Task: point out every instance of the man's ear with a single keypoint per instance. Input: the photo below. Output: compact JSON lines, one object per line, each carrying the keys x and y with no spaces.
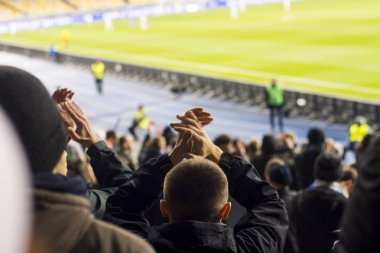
{"x":225,"y":211}
{"x":164,"y":208}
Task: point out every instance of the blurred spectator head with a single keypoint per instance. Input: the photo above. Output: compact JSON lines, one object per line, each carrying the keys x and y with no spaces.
{"x":35,"y":117}
{"x":158,"y":143}
{"x":111,"y":138}
{"x":348,"y":179}
{"x":253,"y":148}
{"x":269,"y":145}
{"x":280,"y":176}
{"x":274,"y":82}
{"x":327,"y":167}
{"x":196,"y":189}
{"x":126,"y":142}
{"x":316,"y":136}
{"x":225,"y":143}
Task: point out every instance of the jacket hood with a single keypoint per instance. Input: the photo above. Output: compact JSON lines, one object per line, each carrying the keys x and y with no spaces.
{"x":194,"y":236}
{"x":60,"y":219}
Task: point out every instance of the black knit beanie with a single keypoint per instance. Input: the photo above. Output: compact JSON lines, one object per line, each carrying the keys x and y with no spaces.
{"x":35,"y":117}
{"x":327,"y":167}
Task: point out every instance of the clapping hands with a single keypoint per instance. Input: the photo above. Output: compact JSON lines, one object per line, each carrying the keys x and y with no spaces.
{"x":76,"y":123}
{"x":193,"y":141}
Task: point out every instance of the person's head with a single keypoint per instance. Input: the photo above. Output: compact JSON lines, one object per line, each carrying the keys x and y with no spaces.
{"x":272,"y":162}
{"x":126,"y":142}
{"x":157,"y":143}
{"x":316,"y":136}
{"x":111,"y":138}
{"x":140,"y":108}
{"x":360,"y":120}
{"x":274,"y":83}
{"x":253,"y":148}
{"x":269,"y":145}
{"x":348,"y":179}
{"x":280,"y":176}
{"x":36,"y":119}
{"x":195,"y":189}
{"x":327,"y":167}
{"x":225,"y":143}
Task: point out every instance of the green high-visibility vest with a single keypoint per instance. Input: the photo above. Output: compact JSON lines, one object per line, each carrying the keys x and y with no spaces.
{"x":275,"y":96}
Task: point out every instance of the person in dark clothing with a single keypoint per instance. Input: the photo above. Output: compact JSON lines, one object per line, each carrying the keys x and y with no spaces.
{"x":268,"y":149}
{"x":304,"y":162}
{"x":105,"y":164}
{"x":280,"y":177}
{"x":62,"y":218}
{"x":316,"y":212}
{"x":198,"y":227}
{"x":361,"y":221}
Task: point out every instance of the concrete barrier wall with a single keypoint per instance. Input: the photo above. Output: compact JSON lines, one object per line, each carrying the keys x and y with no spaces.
{"x":317,"y":107}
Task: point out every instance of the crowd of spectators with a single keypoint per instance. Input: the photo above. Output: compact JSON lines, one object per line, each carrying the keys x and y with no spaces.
{"x":171,"y":190}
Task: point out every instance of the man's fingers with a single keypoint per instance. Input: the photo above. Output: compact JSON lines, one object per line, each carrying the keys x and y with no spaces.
{"x":183,"y":127}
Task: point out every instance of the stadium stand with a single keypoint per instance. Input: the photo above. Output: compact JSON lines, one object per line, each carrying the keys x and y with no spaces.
{"x":11,"y":9}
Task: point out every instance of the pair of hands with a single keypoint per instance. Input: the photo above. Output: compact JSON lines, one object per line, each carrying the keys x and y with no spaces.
{"x":76,"y":123}
{"x":193,"y":141}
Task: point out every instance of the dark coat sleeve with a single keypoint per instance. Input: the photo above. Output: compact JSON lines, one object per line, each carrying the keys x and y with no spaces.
{"x":110,"y":174}
{"x":264,"y":227}
{"x":126,"y":206}
{"x":108,"y":169}
{"x":361,"y":220}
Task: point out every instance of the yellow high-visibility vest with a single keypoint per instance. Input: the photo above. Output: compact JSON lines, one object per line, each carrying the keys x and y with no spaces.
{"x":141,"y":119}
{"x":98,"y":70}
{"x":358,"y":132}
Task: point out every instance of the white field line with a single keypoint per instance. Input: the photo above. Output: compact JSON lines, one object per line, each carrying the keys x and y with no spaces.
{"x":251,"y":73}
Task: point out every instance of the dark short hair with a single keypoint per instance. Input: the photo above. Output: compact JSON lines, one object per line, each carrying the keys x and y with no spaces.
{"x":222,"y":139}
{"x":196,"y":189}
{"x":110,"y":134}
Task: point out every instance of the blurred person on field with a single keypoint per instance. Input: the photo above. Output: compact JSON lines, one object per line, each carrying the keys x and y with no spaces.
{"x":274,"y":95}
{"x":62,"y":217}
{"x":140,"y":121}
{"x":98,"y":70}
{"x":316,"y":212}
{"x":195,"y":198}
{"x":65,"y":37}
{"x":358,"y":130}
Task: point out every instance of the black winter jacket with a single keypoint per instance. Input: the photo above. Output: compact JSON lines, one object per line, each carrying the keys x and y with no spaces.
{"x":262,"y":229}
{"x":361,"y":221}
{"x":110,"y":174}
{"x":315,"y":215}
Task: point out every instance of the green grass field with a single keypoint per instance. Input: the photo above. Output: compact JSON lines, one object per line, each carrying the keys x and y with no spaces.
{"x":324,"y":46}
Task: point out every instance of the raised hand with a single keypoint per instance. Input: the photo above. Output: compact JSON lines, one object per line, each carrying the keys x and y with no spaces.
{"x":201,"y":115}
{"x":62,"y":95}
{"x":81,"y":132}
{"x":201,"y":145}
